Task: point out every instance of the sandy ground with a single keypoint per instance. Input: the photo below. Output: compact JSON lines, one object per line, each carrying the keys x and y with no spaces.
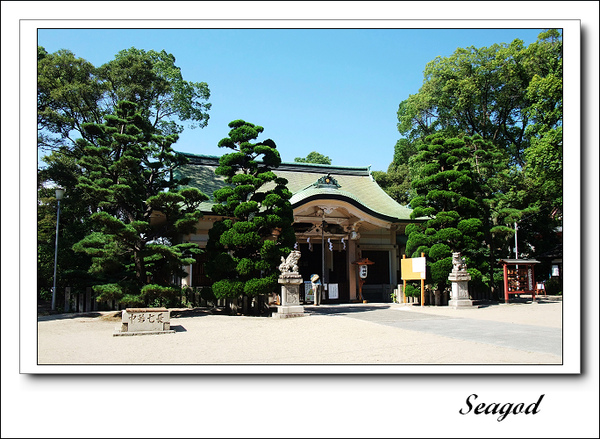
{"x":203,"y":338}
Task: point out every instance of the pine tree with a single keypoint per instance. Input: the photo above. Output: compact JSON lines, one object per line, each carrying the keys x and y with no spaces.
{"x":245,"y":247}
{"x":446,"y":194}
{"x":139,"y":214}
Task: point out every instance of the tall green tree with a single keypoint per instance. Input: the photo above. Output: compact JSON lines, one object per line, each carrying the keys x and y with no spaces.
{"x":72,"y":91}
{"x":156,"y":84}
{"x":246,"y":246}
{"x":475,"y":91}
{"x":453,"y":196}
{"x":136,"y":208}
{"x":68,"y":95}
{"x":314,"y":157}
{"x":510,"y":96}
{"x":532,"y":199}
{"x":545,"y":112}
{"x":396,"y":182}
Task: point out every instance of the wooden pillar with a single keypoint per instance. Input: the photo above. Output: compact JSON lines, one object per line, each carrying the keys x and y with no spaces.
{"x":422,"y":286}
{"x":404,"y":284}
{"x":505,"y":283}
{"x":352,"y":286}
{"x":393,"y":256}
{"x":532,"y":282}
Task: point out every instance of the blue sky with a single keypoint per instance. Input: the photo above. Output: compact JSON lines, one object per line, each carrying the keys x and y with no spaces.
{"x":335,"y":91}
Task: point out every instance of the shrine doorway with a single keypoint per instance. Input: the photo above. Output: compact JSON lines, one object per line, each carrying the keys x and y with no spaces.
{"x":336,"y":274}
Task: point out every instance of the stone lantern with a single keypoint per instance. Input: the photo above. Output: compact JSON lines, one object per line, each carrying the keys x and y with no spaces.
{"x":460,"y":277}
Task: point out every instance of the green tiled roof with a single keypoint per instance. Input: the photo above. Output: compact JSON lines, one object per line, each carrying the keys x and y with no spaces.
{"x":357,"y":186}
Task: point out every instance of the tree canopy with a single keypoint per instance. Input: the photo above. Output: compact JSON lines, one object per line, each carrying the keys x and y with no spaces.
{"x":505,"y":102}
{"x":72,"y":91}
{"x":77,"y":103}
{"x":314,"y":157}
{"x":396,"y":182}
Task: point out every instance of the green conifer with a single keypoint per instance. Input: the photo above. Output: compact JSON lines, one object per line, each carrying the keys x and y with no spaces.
{"x":139,"y":214}
{"x":246,"y":246}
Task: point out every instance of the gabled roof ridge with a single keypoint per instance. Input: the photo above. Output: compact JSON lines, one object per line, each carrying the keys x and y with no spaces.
{"x":356,"y":185}
{"x":293,"y":166}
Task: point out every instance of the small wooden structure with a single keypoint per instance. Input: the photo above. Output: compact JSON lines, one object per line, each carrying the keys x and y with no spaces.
{"x":519,"y":277}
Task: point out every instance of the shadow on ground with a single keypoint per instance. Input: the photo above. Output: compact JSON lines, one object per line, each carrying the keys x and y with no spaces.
{"x":342,"y":309}
{"x":192,"y":312}
{"x":328,"y":309}
{"x":93,"y":314}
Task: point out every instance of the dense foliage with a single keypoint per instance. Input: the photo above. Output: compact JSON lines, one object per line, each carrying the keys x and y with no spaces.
{"x":137,"y":212}
{"x":397,"y":180}
{"x":245,"y":247}
{"x":505,"y":103}
{"x":453,"y":197}
{"x":314,"y":157}
{"x":73,"y":93}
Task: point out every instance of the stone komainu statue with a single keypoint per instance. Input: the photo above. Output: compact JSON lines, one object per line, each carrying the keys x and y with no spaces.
{"x":290,"y":265}
{"x":458,"y":263}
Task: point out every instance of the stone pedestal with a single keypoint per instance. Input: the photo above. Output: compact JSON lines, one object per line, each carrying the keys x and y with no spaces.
{"x":459,"y":297}
{"x":460,"y":277}
{"x":290,"y":297}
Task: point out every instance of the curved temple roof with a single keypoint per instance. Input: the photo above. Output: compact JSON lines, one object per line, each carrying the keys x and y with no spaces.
{"x":355,"y":185}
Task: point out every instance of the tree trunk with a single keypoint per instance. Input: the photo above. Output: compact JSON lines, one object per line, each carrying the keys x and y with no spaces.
{"x":140,"y":267}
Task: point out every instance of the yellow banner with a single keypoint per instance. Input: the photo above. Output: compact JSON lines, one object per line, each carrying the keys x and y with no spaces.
{"x":412,"y":268}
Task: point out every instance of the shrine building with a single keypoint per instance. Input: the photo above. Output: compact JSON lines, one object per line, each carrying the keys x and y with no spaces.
{"x":341,"y":215}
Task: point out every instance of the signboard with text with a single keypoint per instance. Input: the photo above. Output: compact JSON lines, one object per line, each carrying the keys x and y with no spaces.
{"x":309,"y":294}
{"x":333,"y":291}
{"x":413,"y":268}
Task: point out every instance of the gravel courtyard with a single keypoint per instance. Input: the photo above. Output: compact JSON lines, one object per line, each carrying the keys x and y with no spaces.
{"x":337,"y":334}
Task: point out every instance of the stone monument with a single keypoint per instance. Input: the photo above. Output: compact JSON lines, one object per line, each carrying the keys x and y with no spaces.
{"x":144,"y":321}
{"x":460,"y":277}
{"x":290,"y":281}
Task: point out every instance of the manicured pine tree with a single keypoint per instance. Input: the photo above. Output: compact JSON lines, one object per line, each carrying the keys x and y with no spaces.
{"x":246,"y":246}
{"x":139,"y":214}
{"x":446,"y":192}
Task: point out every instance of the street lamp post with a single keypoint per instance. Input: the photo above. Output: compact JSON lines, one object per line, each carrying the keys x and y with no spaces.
{"x":59,"y":196}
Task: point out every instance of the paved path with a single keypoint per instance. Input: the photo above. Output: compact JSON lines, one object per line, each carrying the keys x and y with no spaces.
{"x":509,"y":335}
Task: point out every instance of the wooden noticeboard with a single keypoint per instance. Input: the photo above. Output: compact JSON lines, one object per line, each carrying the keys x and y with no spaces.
{"x":414,"y":269}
